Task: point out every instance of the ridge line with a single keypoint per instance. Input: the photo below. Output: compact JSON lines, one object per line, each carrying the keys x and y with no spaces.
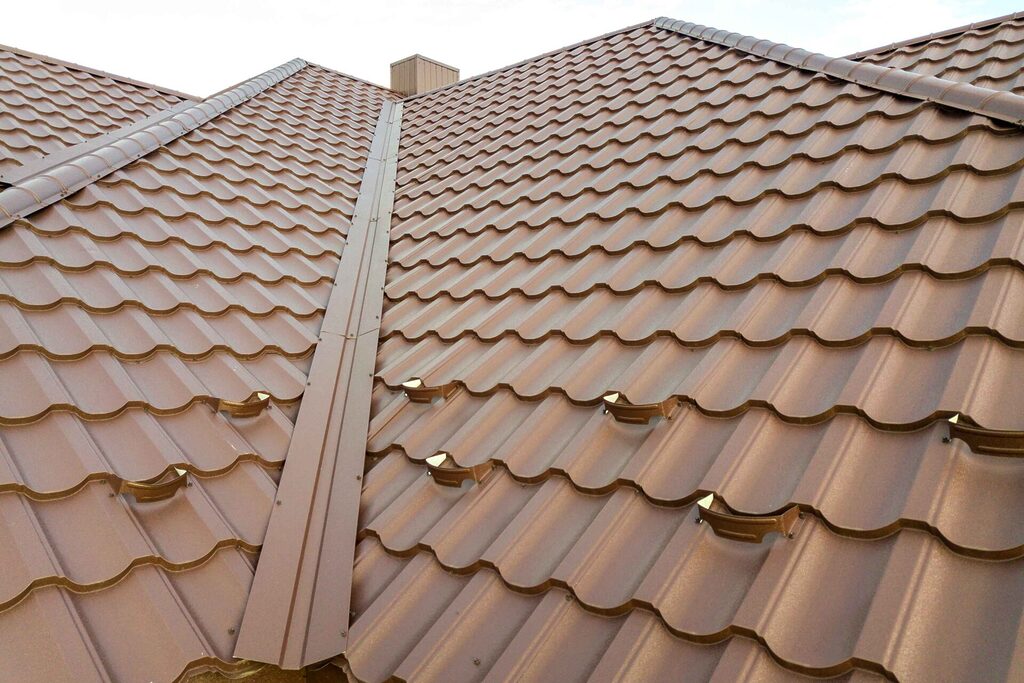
{"x":995,"y":104}
{"x":937,"y":35}
{"x":38,"y":191}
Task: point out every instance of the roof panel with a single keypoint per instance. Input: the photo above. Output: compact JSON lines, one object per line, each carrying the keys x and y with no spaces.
{"x":819,"y":272}
{"x":987,"y":53}
{"x":201,"y":270}
{"x":51,"y":105}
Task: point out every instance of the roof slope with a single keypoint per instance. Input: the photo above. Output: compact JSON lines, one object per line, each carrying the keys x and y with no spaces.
{"x":47,"y":105}
{"x":987,"y":53}
{"x":812,"y":275}
{"x":128,"y":310}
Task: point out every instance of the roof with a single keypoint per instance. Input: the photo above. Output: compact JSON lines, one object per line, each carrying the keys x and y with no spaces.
{"x":49,"y":105}
{"x":678,"y":350}
{"x":807,"y":270}
{"x":130,"y":309}
{"x":985,"y":53}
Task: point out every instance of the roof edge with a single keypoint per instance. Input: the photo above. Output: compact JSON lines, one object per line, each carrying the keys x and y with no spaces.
{"x":521,"y":62}
{"x":43,"y":189}
{"x":986,"y":23}
{"x":995,"y":104}
{"x":99,"y":72}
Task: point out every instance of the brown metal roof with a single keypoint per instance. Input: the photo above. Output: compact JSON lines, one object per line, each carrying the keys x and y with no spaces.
{"x":650,"y":297}
{"x":141,"y":318}
{"x":986,"y":53}
{"x":298,"y":610}
{"x":808,"y":275}
{"x":48,"y":105}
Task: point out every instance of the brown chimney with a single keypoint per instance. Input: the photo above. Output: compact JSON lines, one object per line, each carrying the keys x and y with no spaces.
{"x":416,"y":74}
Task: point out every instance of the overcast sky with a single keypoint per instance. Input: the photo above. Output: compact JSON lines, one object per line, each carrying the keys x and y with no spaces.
{"x":203,"y":47}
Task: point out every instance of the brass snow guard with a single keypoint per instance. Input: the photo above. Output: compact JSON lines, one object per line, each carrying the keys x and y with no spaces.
{"x":1003,"y":443}
{"x":445,"y":471}
{"x":151,"y":490}
{"x":747,"y":528}
{"x":418,"y":392}
{"x":623,"y":410}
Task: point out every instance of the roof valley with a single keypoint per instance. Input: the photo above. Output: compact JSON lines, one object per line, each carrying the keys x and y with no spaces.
{"x":311,"y":537}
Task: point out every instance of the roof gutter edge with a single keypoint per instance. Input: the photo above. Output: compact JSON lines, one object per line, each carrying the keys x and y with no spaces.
{"x":995,"y":104}
{"x":38,"y":191}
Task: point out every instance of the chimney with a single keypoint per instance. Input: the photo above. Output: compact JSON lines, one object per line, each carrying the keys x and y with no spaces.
{"x":417,"y":74}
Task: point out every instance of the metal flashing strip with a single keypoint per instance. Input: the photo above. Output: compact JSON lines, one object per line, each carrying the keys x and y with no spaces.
{"x":55,"y":159}
{"x":995,"y":104}
{"x":36,"y":192}
{"x":298,"y":608}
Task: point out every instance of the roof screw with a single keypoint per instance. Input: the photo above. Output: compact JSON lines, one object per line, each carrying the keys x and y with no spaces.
{"x":476,"y":661}
{"x":946,"y":439}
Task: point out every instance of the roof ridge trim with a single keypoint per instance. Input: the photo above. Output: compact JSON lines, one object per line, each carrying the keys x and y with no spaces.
{"x":973,"y":26}
{"x":995,"y":104}
{"x":41,"y":190}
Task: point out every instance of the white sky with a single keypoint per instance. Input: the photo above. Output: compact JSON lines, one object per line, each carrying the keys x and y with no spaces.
{"x":203,"y":47}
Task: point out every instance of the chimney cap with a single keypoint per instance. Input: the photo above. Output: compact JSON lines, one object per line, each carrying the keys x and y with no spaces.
{"x":425,"y":59}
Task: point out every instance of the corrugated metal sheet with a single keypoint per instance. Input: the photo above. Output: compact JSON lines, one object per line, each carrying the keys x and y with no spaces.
{"x":986,"y":53}
{"x":49,"y":105}
{"x":197,"y":273}
{"x":818,"y":274}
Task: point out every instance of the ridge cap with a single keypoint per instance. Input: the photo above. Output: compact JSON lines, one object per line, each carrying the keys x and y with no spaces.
{"x":995,"y":104}
{"x":949,"y":32}
{"x":35,"y":192}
